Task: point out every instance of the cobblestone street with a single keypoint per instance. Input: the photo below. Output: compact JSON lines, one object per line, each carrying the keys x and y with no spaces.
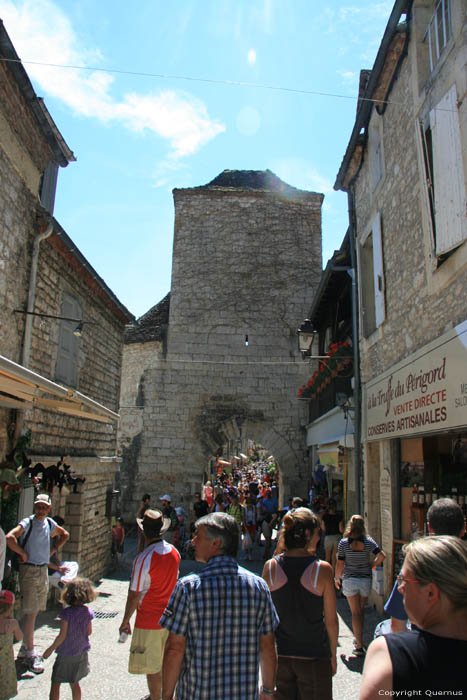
{"x":109,"y":678}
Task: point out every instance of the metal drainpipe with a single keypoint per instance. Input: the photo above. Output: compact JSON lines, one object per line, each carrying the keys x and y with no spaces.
{"x":32,"y":293}
{"x":29,"y":319}
{"x":356,"y":357}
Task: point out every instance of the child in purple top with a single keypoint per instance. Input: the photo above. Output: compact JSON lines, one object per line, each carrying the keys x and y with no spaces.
{"x":72,"y":643}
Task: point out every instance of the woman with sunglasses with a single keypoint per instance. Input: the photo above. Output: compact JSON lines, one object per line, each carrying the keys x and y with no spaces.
{"x":433,"y":582}
{"x":302,"y":590}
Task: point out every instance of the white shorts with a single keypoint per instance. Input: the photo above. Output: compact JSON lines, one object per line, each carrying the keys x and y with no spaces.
{"x":354,"y":586}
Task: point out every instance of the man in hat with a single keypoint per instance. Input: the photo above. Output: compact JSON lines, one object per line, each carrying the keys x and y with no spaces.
{"x":169,"y":512}
{"x":153,"y":579}
{"x":30,"y":539}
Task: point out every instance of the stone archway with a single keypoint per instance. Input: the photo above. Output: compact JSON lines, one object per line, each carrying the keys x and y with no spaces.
{"x":246,"y":262}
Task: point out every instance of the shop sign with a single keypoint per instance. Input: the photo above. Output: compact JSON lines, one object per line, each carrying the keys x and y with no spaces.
{"x":425,"y":393}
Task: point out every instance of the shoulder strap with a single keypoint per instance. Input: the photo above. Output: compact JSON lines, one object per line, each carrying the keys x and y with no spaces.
{"x":51,"y":527}
{"x":27,"y":532}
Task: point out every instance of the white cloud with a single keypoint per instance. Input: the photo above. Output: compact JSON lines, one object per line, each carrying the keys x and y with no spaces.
{"x":348,"y":76}
{"x":252,"y":57}
{"x":40,"y":31}
{"x":302,"y":174}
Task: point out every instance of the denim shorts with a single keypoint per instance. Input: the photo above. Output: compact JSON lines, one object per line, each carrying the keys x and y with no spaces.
{"x":352,"y":586}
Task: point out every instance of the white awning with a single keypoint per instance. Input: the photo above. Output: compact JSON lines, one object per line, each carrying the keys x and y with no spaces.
{"x":20,"y":388}
{"x":342,"y":440}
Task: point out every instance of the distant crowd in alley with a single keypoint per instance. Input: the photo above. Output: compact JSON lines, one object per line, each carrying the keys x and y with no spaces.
{"x":208,"y":634}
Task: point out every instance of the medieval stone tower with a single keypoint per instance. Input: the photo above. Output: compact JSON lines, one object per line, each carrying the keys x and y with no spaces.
{"x":218,"y":357}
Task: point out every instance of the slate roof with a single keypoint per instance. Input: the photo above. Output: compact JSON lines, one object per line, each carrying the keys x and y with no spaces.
{"x":152,"y":325}
{"x":264,"y":180}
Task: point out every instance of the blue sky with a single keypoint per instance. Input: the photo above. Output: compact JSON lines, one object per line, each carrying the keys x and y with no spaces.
{"x":137,"y":137}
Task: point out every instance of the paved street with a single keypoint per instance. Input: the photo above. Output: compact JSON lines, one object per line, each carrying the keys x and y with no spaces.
{"x":109,"y":678}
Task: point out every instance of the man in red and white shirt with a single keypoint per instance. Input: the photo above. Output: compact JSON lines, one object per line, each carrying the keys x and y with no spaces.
{"x":153,"y":579}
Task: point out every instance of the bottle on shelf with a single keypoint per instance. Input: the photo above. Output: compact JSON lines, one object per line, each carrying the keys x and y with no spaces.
{"x":434,"y":494}
{"x":421,"y":496}
{"x":414,"y":495}
{"x":454,"y":494}
{"x":461,"y":500}
{"x":428,"y":498}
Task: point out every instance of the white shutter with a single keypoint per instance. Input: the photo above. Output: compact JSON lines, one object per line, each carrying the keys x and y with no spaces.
{"x":448,"y":174}
{"x":378,"y":271}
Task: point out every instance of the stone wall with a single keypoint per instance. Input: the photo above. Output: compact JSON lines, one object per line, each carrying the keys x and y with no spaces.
{"x":85,"y":514}
{"x":245,"y":264}
{"x":423,"y":297}
{"x":100,"y":352}
{"x":422,"y":301}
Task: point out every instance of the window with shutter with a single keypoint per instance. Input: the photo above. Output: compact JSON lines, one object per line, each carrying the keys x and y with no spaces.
{"x":372,"y":279}
{"x":66,"y":370}
{"x":440,"y":146}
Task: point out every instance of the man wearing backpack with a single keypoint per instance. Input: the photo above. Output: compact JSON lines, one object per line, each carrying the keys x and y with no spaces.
{"x":30,"y":540}
{"x":171,"y":536}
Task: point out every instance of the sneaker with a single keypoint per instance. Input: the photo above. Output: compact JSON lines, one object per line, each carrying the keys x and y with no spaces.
{"x":359,"y":651}
{"x":22,"y":652}
{"x":35,"y":664}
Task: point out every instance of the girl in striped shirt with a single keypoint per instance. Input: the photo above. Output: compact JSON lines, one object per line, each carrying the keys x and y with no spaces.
{"x":354,"y":555}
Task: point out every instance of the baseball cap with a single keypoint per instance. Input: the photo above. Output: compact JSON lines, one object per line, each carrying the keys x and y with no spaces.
{"x":43,"y":498}
{"x":166,"y":497}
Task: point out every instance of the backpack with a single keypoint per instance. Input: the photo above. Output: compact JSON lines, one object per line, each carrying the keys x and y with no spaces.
{"x":174,"y":523}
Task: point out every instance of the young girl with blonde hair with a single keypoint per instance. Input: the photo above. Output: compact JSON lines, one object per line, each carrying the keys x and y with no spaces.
{"x":72,"y":643}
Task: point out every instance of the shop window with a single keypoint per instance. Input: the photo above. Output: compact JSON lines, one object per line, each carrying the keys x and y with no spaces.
{"x":372,"y":279}
{"x":68,"y":344}
{"x":440,"y":146}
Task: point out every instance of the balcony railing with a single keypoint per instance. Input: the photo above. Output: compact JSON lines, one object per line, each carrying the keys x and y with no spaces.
{"x":326,"y":400}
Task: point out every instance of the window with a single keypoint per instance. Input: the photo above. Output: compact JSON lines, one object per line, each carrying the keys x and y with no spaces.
{"x":439,"y":31}
{"x":68,"y":344}
{"x":444,"y":175}
{"x":372,"y":279}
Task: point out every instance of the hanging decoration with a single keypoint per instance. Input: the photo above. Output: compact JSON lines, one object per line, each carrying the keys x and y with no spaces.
{"x":339,"y":356}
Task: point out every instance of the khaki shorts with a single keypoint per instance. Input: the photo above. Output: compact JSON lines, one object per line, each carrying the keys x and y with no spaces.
{"x":147,"y":651}
{"x":33,"y":585}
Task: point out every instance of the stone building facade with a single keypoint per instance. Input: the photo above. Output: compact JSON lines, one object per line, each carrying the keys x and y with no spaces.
{"x":63,"y":388}
{"x":223,"y":352}
{"x":404,"y":170}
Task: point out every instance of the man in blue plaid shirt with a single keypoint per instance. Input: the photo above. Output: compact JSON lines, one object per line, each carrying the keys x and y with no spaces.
{"x":221,"y":623}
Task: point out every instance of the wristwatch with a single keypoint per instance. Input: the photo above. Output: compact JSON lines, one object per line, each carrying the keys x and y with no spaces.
{"x":268,"y":691}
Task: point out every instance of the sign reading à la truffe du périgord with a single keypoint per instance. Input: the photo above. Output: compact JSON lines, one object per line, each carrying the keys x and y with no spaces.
{"x":424,"y":393}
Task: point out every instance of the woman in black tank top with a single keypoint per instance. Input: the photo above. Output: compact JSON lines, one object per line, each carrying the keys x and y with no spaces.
{"x":432,"y":658}
{"x":303,"y":593}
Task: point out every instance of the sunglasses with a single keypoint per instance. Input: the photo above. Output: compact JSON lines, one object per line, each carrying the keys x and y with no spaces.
{"x":401,"y":580}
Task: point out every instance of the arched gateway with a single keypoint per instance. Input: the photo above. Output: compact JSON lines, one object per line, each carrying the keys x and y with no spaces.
{"x":221,"y":348}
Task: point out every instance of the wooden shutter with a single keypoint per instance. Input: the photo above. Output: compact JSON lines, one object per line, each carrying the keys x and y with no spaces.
{"x":378,"y":274}
{"x":448,"y":174}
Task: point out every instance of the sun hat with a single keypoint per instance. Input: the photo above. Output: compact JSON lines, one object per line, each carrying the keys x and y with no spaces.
{"x":166,"y":497}
{"x":154,"y":521}
{"x":43,"y":498}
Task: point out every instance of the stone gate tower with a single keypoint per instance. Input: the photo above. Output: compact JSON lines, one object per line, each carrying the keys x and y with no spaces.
{"x":218,"y":358}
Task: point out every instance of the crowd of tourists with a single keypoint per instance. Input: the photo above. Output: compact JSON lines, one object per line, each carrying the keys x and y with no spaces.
{"x":206,"y":635}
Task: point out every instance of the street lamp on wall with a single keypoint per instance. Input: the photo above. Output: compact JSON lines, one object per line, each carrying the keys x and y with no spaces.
{"x":305,"y":334}
{"x":78,"y":331}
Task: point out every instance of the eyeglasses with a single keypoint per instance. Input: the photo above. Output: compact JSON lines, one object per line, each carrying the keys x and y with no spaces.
{"x":401,"y":580}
